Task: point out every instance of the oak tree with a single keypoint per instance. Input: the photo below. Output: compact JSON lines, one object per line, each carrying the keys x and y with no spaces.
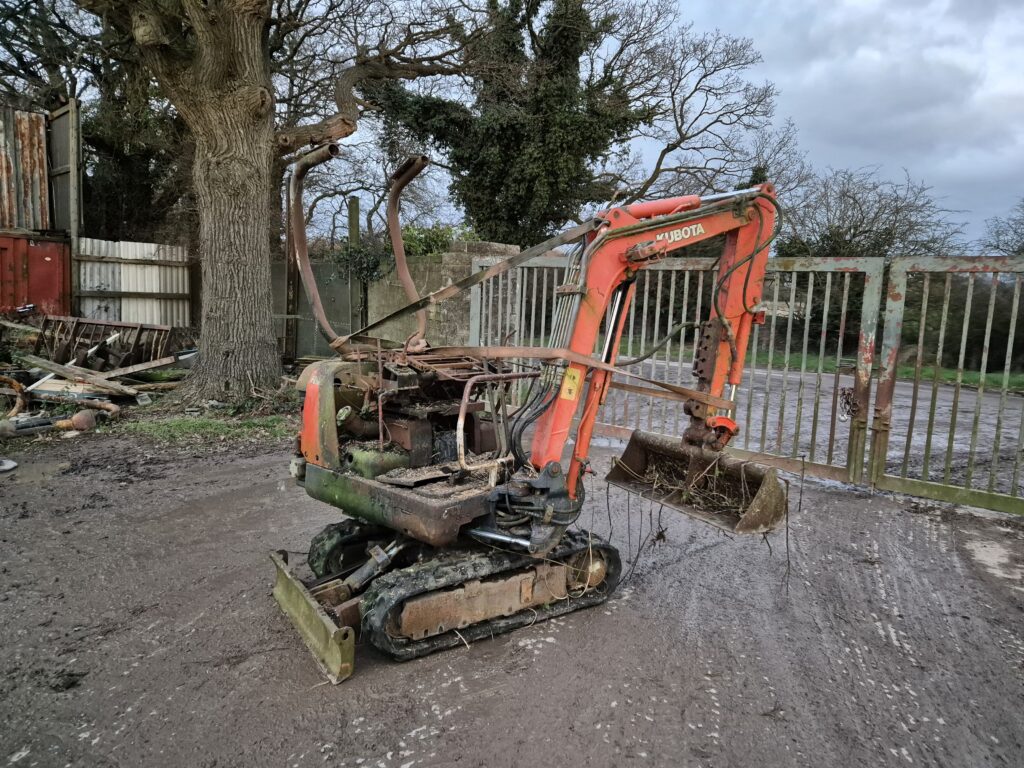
{"x":212,"y":60}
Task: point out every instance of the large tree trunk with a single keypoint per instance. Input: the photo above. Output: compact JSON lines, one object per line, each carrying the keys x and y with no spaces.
{"x":212,"y":62}
{"x":224,"y":93}
{"x":238,"y":349}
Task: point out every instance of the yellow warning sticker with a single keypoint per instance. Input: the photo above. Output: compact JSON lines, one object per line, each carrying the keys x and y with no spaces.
{"x":570,"y":384}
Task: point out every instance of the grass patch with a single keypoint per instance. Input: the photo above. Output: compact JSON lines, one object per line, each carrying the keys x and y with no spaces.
{"x":160,"y":375}
{"x":191,"y":428}
{"x":993,"y":380}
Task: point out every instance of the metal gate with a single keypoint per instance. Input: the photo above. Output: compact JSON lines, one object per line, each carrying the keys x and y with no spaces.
{"x":806,"y":395}
{"x":945,"y":415}
{"x":949,"y":415}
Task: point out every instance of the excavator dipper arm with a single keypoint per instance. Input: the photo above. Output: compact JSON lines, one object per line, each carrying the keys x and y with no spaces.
{"x":636,"y":237}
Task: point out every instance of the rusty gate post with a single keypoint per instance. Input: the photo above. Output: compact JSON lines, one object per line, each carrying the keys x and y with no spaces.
{"x":856,"y":454}
{"x":291,"y":283}
{"x":361,"y":318}
{"x":895,"y":301}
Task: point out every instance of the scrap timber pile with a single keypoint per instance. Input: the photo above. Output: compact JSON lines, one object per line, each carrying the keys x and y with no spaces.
{"x":91,"y":366}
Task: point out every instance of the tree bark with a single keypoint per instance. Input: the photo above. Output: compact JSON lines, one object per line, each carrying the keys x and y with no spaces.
{"x":224,"y":93}
{"x":233,"y":161}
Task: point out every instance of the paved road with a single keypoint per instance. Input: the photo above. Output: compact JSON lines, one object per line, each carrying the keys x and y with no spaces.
{"x":138,"y":630}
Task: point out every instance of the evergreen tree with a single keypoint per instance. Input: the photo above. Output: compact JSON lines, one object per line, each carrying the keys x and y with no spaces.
{"x":523,"y":152}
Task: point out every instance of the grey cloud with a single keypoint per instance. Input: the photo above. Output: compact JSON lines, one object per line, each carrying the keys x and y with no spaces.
{"x":904,"y":84}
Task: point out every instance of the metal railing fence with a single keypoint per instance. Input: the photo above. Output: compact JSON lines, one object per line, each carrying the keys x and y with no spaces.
{"x":945,"y":417}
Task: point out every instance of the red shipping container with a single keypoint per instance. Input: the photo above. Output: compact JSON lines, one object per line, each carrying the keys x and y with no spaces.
{"x":35,"y":270}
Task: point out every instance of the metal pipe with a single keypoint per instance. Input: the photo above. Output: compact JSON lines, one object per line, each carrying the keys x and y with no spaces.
{"x":297,"y":220}
{"x":20,"y":400}
{"x":405,"y":173}
{"x":351,"y":422}
{"x":485,"y":535}
{"x":460,"y":434}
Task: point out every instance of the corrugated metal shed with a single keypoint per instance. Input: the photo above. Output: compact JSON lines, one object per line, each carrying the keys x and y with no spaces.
{"x":66,"y":168}
{"x":24,"y":188}
{"x":114,"y":280}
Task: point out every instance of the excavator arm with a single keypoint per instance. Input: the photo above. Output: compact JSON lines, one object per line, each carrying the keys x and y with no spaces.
{"x":635,"y":238}
{"x":689,"y":473}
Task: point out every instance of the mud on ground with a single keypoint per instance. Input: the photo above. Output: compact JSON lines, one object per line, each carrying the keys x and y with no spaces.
{"x":138,"y":629}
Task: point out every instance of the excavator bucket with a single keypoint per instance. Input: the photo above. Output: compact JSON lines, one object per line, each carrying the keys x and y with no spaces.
{"x":735,"y":495}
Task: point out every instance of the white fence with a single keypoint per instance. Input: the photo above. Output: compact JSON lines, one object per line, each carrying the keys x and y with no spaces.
{"x":133,"y":282}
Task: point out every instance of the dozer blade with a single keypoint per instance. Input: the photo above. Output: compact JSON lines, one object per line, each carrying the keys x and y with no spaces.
{"x":333,"y":647}
{"x":738,"y":496}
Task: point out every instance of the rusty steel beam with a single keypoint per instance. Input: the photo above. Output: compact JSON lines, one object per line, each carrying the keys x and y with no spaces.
{"x":874,"y":271}
{"x":297,"y":221}
{"x":404,"y":174}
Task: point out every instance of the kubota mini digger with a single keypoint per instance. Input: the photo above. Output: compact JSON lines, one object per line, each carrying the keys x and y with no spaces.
{"x":453,"y":530}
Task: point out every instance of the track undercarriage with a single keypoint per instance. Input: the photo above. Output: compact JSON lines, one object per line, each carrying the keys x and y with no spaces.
{"x":432,"y":599}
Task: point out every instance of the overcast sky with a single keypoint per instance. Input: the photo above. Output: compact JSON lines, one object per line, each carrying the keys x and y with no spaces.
{"x":933,"y":86}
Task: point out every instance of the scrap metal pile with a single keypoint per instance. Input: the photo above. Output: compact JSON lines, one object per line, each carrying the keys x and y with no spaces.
{"x":92,"y":366}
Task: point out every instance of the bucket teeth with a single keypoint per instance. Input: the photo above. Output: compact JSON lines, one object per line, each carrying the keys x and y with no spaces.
{"x":737,"y":496}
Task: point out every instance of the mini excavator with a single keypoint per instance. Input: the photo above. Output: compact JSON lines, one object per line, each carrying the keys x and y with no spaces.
{"x":453,"y":531}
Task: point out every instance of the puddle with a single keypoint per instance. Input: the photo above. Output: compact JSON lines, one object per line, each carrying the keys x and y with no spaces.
{"x":1000,"y":558}
{"x":32,"y":472}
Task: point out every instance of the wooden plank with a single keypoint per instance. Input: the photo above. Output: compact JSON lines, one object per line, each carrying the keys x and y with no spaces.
{"x":78,"y":374}
{"x":67,"y":390}
{"x":137,"y":368}
{"x":647,"y":391}
{"x":18,"y":326}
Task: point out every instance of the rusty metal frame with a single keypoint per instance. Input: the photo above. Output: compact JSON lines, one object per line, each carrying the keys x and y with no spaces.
{"x":900,"y":271}
{"x":460,"y":429}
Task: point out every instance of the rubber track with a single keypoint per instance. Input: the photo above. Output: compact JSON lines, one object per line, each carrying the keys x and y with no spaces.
{"x":452,"y":568}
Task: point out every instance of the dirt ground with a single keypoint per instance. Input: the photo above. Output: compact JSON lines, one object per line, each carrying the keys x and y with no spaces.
{"x":138,"y":629}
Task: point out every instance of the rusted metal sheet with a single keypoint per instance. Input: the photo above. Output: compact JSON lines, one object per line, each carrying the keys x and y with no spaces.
{"x":24,"y":188}
{"x":474,"y":601}
{"x":35,"y":271}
